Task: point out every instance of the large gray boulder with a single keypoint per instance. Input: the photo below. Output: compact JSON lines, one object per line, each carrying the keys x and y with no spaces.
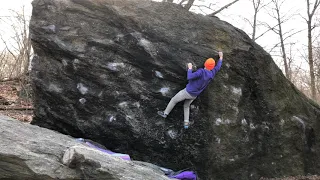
{"x":103,"y":68}
{"x":32,"y":152}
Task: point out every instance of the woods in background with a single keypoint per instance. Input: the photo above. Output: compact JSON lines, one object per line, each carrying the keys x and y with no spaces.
{"x":301,"y":65}
{"x":16,"y":53}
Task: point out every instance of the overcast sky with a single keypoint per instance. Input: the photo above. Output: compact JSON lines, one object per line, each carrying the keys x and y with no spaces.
{"x":243,"y":9}
{"x":6,"y":8}
{"x":235,"y":15}
{"x":13,"y":4}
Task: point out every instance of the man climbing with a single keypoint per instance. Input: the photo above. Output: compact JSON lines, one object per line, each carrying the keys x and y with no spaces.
{"x":197,"y":82}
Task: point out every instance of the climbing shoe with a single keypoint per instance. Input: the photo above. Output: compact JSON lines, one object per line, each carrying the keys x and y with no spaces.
{"x":186,"y":124}
{"x":162,"y":114}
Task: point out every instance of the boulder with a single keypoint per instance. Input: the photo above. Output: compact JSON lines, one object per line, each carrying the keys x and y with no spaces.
{"x":103,"y":68}
{"x":32,"y":152}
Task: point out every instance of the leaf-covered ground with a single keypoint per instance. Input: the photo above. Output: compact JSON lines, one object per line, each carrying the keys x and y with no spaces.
{"x":15,"y":102}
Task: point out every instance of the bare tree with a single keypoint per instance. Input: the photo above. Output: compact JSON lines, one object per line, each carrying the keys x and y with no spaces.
{"x":311,"y":9}
{"x":281,"y":18}
{"x":187,"y":4}
{"x":18,"y":45}
{"x":257,"y":6}
{"x":278,"y":17}
{"x":2,"y":63}
{"x":290,"y":59}
{"x":316,"y":56}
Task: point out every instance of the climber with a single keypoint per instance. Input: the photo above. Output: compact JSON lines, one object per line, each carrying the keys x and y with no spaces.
{"x":197,"y":82}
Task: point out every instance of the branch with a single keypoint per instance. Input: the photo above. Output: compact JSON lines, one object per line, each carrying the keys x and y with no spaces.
{"x":313,"y":27}
{"x":224,"y":7}
{"x":2,"y":55}
{"x":203,"y":6}
{"x":182,"y":2}
{"x":315,"y":6}
{"x":276,"y":45}
{"x":303,"y":17}
{"x":5,"y":43}
{"x":246,"y":19}
{"x":16,"y":108}
{"x":314,"y":39}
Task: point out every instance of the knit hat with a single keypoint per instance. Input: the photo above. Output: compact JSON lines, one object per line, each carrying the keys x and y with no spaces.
{"x":209,"y":64}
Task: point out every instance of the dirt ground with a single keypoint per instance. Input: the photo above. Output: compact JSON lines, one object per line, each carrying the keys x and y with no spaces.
{"x":12,"y":105}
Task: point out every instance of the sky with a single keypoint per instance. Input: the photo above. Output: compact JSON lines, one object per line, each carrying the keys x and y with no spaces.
{"x":7,"y":9}
{"x":243,"y":9}
{"x":6,"y":5}
{"x":235,"y":15}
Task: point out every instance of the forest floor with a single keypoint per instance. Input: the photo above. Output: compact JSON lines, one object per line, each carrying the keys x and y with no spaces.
{"x":17,"y":104}
{"x":295,"y":178}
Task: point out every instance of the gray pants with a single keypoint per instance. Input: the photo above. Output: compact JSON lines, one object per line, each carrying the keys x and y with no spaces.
{"x":180,"y":96}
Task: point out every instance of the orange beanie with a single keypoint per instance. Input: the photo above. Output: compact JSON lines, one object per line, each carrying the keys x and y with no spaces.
{"x":209,"y":64}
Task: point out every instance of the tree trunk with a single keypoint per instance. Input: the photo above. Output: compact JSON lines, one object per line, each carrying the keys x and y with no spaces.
{"x":284,"y":56}
{"x":310,"y":60}
{"x":310,"y":55}
{"x":254,"y":26}
{"x":189,"y":4}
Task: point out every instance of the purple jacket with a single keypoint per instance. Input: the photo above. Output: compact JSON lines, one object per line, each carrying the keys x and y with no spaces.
{"x":200,"y":79}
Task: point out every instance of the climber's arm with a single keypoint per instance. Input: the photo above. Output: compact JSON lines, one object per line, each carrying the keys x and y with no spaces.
{"x":192,"y":75}
{"x":218,"y":66}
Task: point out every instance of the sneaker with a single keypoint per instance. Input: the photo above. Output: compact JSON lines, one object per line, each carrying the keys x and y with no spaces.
{"x":186,"y":124}
{"x":162,"y":114}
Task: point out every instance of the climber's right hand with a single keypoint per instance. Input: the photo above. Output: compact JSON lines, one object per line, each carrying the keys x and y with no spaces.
{"x":220,"y":55}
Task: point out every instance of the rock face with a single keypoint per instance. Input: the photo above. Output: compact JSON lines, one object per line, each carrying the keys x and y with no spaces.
{"x":103,"y":68}
{"x":32,"y":152}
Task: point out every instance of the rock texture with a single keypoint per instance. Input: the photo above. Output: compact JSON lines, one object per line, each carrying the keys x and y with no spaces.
{"x":103,"y":68}
{"x":32,"y":152}
{"x":96,"y":165}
